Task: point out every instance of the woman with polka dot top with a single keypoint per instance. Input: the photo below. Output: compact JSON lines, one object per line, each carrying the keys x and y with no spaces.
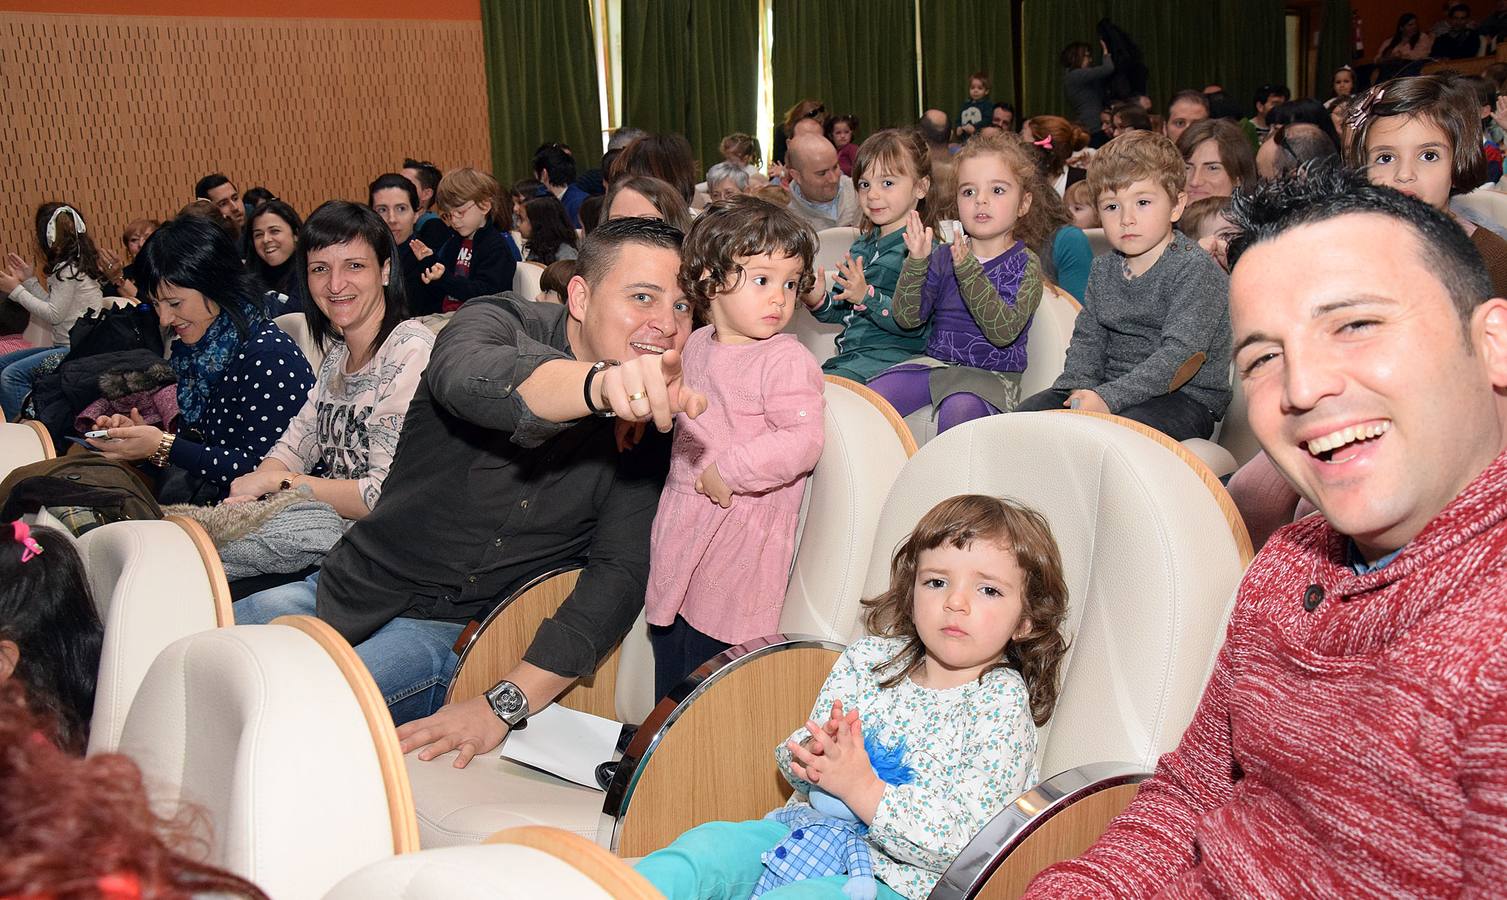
{"x":240,"y":378}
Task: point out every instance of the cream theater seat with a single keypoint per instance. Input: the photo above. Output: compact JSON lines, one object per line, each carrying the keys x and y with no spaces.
{"x":23,"y":443}
{"x":153,"y":583}
{"x":296,"y":326}
{"x":1235,"y":442}
{"x":1151,"y":560}
{"x":866,"y":446}
{"x":278,"y":737}
{"x":526,"y":277}
{"x":1097,"y":241}
{"x":518,"y":864}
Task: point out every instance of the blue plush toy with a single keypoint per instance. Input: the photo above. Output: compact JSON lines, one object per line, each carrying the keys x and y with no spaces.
{"x":826,"y":837}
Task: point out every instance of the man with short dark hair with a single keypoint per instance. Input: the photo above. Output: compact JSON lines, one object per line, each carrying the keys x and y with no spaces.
{"x":1186,"y":108}
{"x":1352,"y":738}
{"x":1268,"y":98}
{"x":1291,"y":147}
{"x":1460,"y":41}
{"x":222,"y":192}
{"x":430,"y":228}
{"x":507,"y":469}
{"x":556,"y":169}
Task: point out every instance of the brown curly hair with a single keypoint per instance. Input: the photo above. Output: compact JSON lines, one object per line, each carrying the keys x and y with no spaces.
{"x":72,"y":826}
{"x":734,"y":229}
{"x":960,"y":521}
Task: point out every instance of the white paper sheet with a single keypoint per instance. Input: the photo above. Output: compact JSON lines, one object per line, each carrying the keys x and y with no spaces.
{"x":565,"y":743}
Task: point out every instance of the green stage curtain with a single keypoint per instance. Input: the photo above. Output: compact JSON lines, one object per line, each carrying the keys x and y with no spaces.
{"x":1336,"y":44}
{"x":541,"y":82}
{"x":1238,"y":44}
{"x":958,"y":38}
{"x":859,"y":58}
{"x":691,"y":67}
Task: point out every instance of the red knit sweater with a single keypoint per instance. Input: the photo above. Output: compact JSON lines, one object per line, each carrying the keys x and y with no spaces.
{"x":1356,"y":750}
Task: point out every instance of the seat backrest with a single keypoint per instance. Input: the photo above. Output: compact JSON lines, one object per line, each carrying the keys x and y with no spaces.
{"x":1235,"y":434}
{"x":23,"y":443}
{"x":832,"y":244}
{"x":1046,"y":342}
{"x":819,"y":338}
{"x":1097,"y":241}
{"x":1149,"y":557}
{"x":863,"y":455}
{"x":1484,"y":204}
{"x":479,"y":872}
{"x":296,"y":326}
{"x":153,"y":583}
{"x":526,"y":277}
{"x":261,"y":730}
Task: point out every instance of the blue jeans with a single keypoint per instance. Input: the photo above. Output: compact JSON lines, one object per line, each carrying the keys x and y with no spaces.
{"x":15,"y":376}
{"x":410,"y":659}
{"x":720,"y":861}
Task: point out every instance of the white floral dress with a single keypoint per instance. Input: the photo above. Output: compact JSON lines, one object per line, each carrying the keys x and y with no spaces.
{"x":972,"y":748}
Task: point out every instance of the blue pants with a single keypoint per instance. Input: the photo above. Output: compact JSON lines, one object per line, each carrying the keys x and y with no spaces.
{"x":410,"y":659}
{"x":15,"y":376}
{"x":720,"y":861}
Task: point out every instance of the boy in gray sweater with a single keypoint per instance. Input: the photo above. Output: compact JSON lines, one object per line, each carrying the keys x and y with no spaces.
{"x":1153,"y":340}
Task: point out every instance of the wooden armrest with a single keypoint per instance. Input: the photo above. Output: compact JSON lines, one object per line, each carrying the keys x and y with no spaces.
{"x":43,"y":437}
{"x":1058,"y":819}
{"x":706,"y":753}
{"x":498,"y":644}
{"x":613,"y":875}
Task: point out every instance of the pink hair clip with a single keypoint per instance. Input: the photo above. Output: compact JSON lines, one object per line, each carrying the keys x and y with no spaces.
{"x":1045,"y":143}
{"x":21,"y":534}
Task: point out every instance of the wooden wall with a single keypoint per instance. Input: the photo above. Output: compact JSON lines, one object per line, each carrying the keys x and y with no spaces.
{"x":122,"y":114}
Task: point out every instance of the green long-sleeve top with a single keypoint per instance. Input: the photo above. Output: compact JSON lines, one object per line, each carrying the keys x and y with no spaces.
{"x":871,"y":340}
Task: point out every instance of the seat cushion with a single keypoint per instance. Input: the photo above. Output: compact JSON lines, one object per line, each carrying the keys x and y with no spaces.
{"x":490,"y":872}
{"x":464,"y":806}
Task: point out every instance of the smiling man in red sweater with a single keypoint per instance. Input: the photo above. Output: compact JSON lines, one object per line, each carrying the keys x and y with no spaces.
{"x":1352,"y":739}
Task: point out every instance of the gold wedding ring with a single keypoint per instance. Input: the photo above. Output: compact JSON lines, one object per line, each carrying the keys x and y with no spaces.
{"x":638,"y":396}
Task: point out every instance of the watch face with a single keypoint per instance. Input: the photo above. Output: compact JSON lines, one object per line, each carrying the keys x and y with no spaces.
{"x":507,"y":699}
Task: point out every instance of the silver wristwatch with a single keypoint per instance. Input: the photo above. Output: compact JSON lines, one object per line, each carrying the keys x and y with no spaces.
{"x":510,"y":705}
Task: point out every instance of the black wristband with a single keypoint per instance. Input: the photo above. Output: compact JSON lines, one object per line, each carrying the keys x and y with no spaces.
{"x":591,"y":375}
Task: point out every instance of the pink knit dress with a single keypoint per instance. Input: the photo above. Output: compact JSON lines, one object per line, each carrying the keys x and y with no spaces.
{"x":725,"y":570}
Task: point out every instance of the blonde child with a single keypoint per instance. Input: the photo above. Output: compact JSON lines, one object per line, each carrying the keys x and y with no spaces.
{"x":961,"y":669}
{"x":892,"y":175}
{"x":1206,"y":221}
{"x":978,"y":295}
{"x":724,"y":536}
{"x":475,"y":261}
{"x":1082,"y":207}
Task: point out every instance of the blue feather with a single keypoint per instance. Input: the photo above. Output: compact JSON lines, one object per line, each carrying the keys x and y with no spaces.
{"x":888,"y":760}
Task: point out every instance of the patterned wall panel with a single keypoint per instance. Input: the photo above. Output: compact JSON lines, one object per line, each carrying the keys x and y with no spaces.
{"x":122,"y":115}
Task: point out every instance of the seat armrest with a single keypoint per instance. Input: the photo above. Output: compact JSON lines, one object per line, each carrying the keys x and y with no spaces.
{"x":1219,"y":460}
{"x":706,"y":752}
{"x":498,"y":644}
{"x":1056,"y":820}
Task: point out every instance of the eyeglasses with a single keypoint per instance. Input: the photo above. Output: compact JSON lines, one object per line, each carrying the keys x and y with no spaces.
{"x":459,"y":211}
{"x":816,"y":113}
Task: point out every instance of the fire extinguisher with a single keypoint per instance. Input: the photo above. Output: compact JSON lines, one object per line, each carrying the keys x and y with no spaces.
{"x":1360,"y":44}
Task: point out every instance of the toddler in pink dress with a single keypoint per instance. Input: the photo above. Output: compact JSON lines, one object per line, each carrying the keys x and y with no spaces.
{"x":724,"y":535}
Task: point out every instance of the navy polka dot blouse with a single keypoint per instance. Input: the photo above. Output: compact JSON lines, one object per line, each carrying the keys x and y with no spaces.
{"x":259,"y":392}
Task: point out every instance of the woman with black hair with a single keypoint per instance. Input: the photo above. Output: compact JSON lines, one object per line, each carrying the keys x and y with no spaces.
{"x":373,"y":356}
{"x":240,"y":378}
{"x":270,"y":239}
{"x":547,"y":235}
{"x":50,"y":633}
{"x":394,"y":198}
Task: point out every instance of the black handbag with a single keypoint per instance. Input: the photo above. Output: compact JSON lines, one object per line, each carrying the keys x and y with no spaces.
{"x":115,"y":329}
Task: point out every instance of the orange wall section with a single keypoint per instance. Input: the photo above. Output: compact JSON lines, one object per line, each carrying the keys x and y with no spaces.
{"x":430,"y":10}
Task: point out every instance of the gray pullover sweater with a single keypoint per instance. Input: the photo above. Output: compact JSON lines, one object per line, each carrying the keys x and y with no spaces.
{"x":1133,"y":336}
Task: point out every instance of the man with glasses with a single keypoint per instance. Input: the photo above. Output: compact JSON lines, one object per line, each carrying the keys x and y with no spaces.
{"x":1291,"y":147}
